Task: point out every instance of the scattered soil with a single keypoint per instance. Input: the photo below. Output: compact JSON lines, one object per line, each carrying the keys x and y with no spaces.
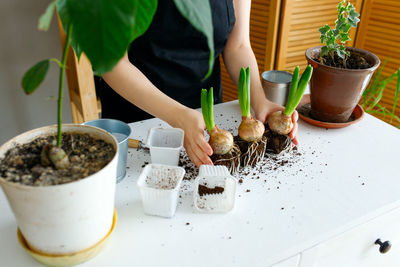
{"x":204,"y":190}
{"x":144,"y":163}
{"x":191,"y":171}
{"x":276,"y":142}
{"x":251,"y":152}
{"x":231,"y":160}
{"x":354,"y":61}
{"x":22,"y":164}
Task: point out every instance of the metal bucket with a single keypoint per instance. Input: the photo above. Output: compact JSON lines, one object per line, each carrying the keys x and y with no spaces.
{"x":276,"y":85}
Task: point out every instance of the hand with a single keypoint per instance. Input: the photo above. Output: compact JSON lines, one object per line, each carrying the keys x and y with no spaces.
{"x":267,"y":107}
{"x":196,"y":146}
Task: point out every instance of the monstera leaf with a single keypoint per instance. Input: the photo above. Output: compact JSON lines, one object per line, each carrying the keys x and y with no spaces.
{"x":103,"y":29}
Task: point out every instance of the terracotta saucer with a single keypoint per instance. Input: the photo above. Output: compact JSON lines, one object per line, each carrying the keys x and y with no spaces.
{"x":304,"y":109}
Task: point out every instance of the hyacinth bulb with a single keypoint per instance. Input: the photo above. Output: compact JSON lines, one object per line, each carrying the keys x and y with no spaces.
{"x":250,"y":129}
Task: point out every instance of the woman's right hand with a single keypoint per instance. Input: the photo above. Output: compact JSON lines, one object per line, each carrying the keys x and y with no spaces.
{"x":196,"y":146}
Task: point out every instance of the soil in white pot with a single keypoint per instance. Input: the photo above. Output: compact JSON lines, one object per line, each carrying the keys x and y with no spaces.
{"x":205,"y":190}
{"x":87,"y":155}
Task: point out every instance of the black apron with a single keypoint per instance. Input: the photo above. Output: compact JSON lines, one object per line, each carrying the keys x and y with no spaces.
{"x":174,"y":56}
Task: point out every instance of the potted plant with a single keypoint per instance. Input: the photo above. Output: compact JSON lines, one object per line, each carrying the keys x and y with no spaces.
{"x":60,"y":180}
{"x":341,"y":73}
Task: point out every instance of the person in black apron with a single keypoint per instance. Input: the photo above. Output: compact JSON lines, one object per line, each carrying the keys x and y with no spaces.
{"x":163,"y":70}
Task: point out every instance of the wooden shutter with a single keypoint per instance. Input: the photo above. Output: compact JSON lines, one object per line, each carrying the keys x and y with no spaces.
{"x":264,"y":19}
{"x":300,"y":21}
{"x":379,"y":33}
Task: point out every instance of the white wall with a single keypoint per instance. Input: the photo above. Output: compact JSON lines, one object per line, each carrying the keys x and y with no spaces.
{"x":21,"y":46}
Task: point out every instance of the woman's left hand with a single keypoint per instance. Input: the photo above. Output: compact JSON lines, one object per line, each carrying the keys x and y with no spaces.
{"x":265,"y":108}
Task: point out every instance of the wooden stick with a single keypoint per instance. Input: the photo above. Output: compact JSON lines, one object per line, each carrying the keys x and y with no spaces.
{"x":133,"y":143}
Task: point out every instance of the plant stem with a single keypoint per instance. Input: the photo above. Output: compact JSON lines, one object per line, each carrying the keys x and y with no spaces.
{"x":379,"y":89}
{"x":207,"y":108}
{"x":396,"y":93}
{"x":244,"y":91}
{"x":210,"y":102}
{"x":61,"y":84}
{"x":298,"y":94}
{"x":293,"y":88}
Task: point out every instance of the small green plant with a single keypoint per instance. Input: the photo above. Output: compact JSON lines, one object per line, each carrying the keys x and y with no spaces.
{"x":334,"y":40}
{"x":373,"y":95}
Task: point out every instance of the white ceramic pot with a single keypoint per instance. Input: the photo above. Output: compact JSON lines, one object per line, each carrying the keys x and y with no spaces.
{"x":66,"y":218}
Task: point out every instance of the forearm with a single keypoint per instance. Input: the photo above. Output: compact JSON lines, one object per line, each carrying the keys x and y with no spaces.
{"x":129,"y":82}
{"x":133,"y":85}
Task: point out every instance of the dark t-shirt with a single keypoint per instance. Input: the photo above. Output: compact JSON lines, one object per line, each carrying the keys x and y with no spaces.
{"x":174,"y":56}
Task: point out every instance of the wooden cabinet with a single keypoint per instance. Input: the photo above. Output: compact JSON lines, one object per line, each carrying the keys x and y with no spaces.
{"x":356,"y":248}
{"x":322,"y":208}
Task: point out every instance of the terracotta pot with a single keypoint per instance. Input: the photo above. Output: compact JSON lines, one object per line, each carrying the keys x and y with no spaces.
{"x":66,"y":218}
{"x":334,"y":91}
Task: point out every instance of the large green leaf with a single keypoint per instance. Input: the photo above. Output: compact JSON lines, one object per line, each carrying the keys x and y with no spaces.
{"x":198,"y":13}
{"x":62,"y":10}
{"x":143,"y":11}
{"x":45,"y":19}
{"x":103,"y":29}
{"x":34,"y":76}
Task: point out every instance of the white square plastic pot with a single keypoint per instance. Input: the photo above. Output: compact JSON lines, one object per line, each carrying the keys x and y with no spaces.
{"x":159,"y":187}
{"x":212,"y":176}
{"x":165,"y":145}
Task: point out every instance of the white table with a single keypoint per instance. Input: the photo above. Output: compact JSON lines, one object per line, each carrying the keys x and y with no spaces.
{"x":343,"y":179}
